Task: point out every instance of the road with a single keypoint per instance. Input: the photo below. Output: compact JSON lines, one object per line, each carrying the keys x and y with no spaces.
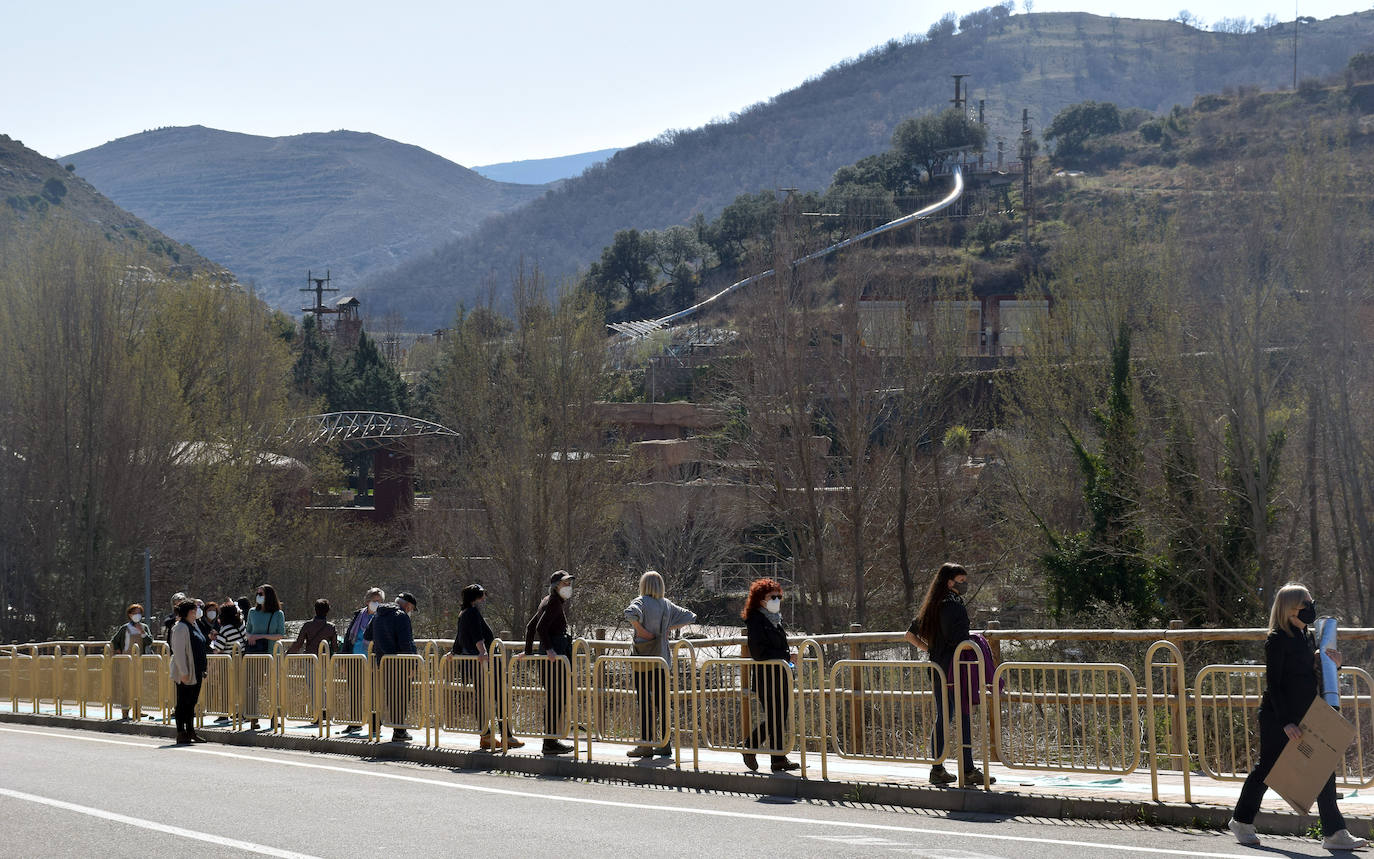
{"x":68,"y":793}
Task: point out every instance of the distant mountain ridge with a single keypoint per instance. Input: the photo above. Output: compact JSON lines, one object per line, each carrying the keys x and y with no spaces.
{"x":272,"y":207}
{"x":541,"y":171}
{"x":38,"y":194}
{"x":1041,"y":61}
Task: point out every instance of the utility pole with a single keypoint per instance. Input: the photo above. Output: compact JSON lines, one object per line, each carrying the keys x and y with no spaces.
{"x":958,"y":100}
{"x":1026,"y":172}
{"x":319,"y":286}
{"x":148,"y":581}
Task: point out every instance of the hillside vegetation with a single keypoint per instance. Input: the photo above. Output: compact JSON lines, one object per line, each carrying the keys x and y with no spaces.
{"x":271,"y":208}
{"x":37,"y":196}
{"x":1043,"y":62}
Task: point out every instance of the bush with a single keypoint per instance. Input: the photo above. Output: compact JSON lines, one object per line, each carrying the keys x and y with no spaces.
{"x":54,"y":190}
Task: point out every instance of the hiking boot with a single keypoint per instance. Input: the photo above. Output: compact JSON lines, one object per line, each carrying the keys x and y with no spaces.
{"x":664,"y":751}
{"x":1244,"y":832}
{"x":640,"y":752}
{"x":400,"y":735}
{"x":939,"y":776}
{"x":196,"y":738}
{"x":487,"y":743}
{"x":782,"y":765}
{"x":1342,"y":840}
{"x":352,"y":729}
{"x":975,"y":778}
{"x":513,"y":742}
{"x":751,"y":760}
{"x":183,"y":738}
{"x":554,"y":747}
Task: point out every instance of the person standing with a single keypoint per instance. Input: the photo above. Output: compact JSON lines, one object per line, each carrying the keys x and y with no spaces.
{"x":654,"y":616}
{"x":188,"y":667}
{"x":353,"y":636}
{"x":266,"y":623}
{"x":940,"y":626}
{"x":391,"y":634}
{"x":231,"y":629}
{"x":767,"y":634}
{"x":550,"y":625}
{"x":1292,"y":682}
{"x":171,"y":619}
{"x":132,"y":633}
{"x":474,"y":638}
{"x":317,"y":631}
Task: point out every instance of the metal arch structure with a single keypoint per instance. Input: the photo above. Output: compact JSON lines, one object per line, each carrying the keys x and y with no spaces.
{"x":364,"y":431}
{"x":643,"y":328}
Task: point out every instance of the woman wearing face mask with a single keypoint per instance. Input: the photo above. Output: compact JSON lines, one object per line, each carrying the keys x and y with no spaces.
{"x":474,"y":638}
{"x":231,"y":630}
{"x":762,"y":615}
{"x":654,"y":616}
{"x":188,"y":667}
{"x":1293,"y":680}
{"x":550,"y":624}
{"x":940,"y":627}
{"x":266,"y":623}
{"x":133,"y":633}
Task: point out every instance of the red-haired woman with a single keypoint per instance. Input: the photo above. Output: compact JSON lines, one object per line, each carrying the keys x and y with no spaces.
{"x":940,"y":627}
{"x":768,"y":641}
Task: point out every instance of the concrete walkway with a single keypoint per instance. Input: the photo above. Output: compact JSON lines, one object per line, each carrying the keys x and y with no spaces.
{"x":1032,"y":793}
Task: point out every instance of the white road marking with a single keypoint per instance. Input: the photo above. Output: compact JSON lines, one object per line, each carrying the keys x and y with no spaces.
{"x":178,"y":831}
{"x":772,"y":817}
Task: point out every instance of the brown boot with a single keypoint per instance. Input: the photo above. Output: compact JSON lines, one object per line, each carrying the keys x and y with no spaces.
{"x":183,"y":738}
{"x":513,"y":742}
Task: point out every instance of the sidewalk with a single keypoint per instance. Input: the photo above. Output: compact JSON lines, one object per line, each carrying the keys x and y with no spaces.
{"x":1032,"y":793}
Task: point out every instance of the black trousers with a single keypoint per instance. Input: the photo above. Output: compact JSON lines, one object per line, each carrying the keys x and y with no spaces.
{"x":651,"y":685}
{"x":1272,"y":741}
{"x":551,"y":674}
{"x":944,"y":707}
{"x":775,"y":697}
{"x":185,"y":713}
{"x":476,"y":675}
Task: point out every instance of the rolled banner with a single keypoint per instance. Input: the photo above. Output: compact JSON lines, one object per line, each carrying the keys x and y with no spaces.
{"x":1326,"y":639}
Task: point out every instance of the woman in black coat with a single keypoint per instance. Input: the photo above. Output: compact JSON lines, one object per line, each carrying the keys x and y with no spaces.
{"x":768,"y":641}
{"x":940,"y":627}
{"x":1292,"y":683}
{"x":474,"y":638}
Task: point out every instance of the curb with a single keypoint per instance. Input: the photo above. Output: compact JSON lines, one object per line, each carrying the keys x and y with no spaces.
{"x":1007,"y":803}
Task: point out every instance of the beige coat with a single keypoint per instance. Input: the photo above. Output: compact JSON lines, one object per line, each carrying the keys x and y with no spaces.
{"x":183,"y":664}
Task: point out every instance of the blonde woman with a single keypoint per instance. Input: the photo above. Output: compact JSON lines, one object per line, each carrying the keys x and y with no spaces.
{"x":1293,"y":680}
{"x":653,"y":616}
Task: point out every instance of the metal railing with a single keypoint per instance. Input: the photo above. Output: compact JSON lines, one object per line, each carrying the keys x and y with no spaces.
{"x":1114,"y":717}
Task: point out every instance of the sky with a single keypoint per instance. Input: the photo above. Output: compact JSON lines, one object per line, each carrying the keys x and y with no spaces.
{"x":477,"y":84}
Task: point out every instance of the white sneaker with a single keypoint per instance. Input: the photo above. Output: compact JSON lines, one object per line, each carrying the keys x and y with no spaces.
{"x":1343,"y":840}
{"x":1245,"y":832}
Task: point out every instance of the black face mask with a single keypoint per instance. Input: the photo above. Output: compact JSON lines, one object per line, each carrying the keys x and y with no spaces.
{"x":1308,"y":612}
{"x":958,"y":587}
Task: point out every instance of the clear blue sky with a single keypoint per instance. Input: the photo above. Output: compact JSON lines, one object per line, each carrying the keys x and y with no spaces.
{"x":476,"y":84}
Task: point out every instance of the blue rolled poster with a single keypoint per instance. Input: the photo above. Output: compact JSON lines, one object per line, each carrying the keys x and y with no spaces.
{"x":1326,"y":639}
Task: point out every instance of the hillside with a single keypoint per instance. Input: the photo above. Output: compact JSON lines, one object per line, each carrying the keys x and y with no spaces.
{"x":38,"y":194}
{"x":541,"y":171}
{"x":271,"y":208}
{"x":1042,"y":62}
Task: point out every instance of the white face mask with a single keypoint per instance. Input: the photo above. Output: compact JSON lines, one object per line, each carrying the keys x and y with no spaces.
{"x":212,"y":614}
{"x":774,"y":605}
{"x":135,"y":618}
{"x":261,"y":599}
{"x":373,"y":606}
{"x":565,"y":592}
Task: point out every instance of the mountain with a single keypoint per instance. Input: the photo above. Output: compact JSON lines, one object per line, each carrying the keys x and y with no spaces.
{"x":39,"y":194}
{"x":1042,"y":62}
{"x":273,"y":207}
{"x":541,"y":171}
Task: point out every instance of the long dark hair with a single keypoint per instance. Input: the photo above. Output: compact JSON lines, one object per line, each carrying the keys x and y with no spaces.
{"x":270,"y":603}
{"x":928,"y":618}
{"x":229,"y":614}
{"x":757,"y":591}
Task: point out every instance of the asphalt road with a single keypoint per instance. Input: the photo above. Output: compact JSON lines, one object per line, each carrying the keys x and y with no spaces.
{"x":67,"y":793}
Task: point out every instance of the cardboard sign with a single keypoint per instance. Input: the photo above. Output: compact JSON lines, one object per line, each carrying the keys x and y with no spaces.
{"x":1303,"y":767}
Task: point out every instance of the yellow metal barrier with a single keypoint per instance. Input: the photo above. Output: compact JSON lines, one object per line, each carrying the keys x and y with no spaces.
{"x":349,"y":691}
{"x":968,"y":675}
{"x":811,"y":698}
{"x":1227,"y":699}
{"x":884,"y":711}
{"x":401,"y":701}
{"x":95,"y":676}
{"x":44,"y":680}
{"x":463,"y":695}
{"x":7,"y":662}
{"x":123,"y":684}
{"x":299,"y":693}
{"x":746,"y":706}
{"x":1067,"y":718}
{"x":631,"y":701}
{"x":257,"y":682}
{"x":1175,"y":692}
{"x":69,"y":680}
{"x":152,"y":684}
{"x":218,"y":697}
{"x":538,"y":693}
